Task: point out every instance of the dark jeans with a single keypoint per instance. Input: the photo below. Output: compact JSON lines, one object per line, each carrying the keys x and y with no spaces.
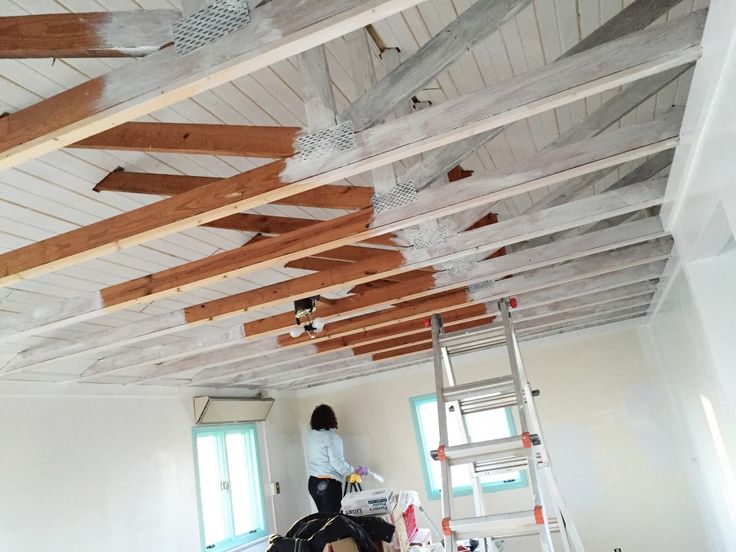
{"x":326,"y":493}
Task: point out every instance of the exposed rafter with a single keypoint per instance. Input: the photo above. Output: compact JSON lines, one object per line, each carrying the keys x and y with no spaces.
{"x":75,"y":35}
{"x":246,"y":141}
{"x":479,"y":240}
{"x":331,"y":196}
{"x":277,"y":30}
{"x":582,"y":269}
{"x":606,"y":150}
{"x":592,"y":71}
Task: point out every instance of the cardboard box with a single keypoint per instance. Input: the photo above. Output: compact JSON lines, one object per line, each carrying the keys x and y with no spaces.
{"x":369,"y":503}
{"x":342,"y":545}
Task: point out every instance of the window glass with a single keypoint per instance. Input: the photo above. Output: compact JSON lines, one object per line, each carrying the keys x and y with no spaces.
{"x":482,"y":426}
{"x":230,"y":486}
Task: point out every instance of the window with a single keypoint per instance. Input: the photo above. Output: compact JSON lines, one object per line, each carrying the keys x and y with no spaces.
{"x":482,"y":426}
{"x":229,"y":486}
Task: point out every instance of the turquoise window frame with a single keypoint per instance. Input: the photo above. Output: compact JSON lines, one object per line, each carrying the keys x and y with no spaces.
{"x":219,"y":431}
{"x":424,"y":448}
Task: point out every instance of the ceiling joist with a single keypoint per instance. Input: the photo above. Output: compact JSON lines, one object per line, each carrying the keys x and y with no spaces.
{"x":277,"y":30}
{"x":81,"y":35}
{"x":331,"y":196}
{"x":607,"y":66}
{"x":608,"y":149}
{"x":237,"y":140}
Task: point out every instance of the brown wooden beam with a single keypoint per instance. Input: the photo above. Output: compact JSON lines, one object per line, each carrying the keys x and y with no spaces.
{"x":237,"y":140}
{"x":329,"y":196}
{"x":81,"y":35}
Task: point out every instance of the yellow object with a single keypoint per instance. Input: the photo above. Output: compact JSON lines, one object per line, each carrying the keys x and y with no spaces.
{"x":354,"y":478}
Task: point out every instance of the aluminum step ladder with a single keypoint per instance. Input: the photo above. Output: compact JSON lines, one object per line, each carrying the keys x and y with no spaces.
{"x":525,"y":451}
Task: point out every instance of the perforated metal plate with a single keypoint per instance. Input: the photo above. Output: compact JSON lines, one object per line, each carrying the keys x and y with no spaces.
{"x":314,"y":145}
{"x":481,"y":286}
{"x":461,"y":267}
{"x":209,"y":24}
{"x":402,"y":194}
{"x":429,"y":234}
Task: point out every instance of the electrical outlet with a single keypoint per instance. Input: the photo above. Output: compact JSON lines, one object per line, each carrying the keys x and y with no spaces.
{"x":616,"y":550}
{"x":275,"y":488}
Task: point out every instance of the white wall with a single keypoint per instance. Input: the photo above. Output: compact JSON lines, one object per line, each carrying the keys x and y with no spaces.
{"x":112,"y":472}
{"x":608,"y":430}
{"x":691,"y":333}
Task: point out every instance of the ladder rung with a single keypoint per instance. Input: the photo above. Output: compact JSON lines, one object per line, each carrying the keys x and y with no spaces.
{"x":500,"y":465}
{"x":482,"y":404}
{"x":511,"y":532}
{"x":478,"y":389}
{"x":517,"y":446}
{"x":469,"y":337}
{"x":507,"y":525}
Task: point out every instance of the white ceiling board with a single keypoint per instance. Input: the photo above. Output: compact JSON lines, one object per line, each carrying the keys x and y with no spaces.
{"x":53,"y":194}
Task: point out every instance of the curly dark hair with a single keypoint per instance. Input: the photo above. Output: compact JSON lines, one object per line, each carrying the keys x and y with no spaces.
{"x":323,"y":417}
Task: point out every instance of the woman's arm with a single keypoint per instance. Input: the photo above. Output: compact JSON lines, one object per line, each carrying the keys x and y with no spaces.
{"x":336,"y":456}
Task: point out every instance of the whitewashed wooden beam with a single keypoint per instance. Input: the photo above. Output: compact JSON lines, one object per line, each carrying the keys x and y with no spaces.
{"x":529,"y":281}
{"x":319,"y":99}
{"x":477,"y":22}
{"x":479,"y":240}
{"x":384,"y":178}
{"x":467,"y":193}
{"x":666,"y":46}
{"x":601,"y":119}
{"x":277,"y":30}
{"x":635,"y":17}
{"x":557,"y":299}
{"x":604,"y":151}
{"x":649,"y":169}
{"x":160,"y":361}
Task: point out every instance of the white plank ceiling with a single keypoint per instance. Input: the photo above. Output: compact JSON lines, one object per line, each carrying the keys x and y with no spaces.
{"x":53,"y":194}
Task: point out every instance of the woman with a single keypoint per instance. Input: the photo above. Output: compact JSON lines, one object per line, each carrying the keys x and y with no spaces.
{"x":326,"y":461}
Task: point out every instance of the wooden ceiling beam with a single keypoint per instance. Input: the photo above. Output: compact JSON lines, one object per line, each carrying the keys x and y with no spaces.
{"x":82,"y":35}
{"x":533,"y":305}
{"x":593,"y":71}
{"x":635,"y":17}
{"x":476,"y":23}
{"x":147,"y":287}
{"x":330,"y":196}
{"x":367,"y":366}
{"x":277,"y":30}
{"x":606,"y":150}
{"x":213,"y":139}
{"x":625,"y":308}
{"x":407,"y":294}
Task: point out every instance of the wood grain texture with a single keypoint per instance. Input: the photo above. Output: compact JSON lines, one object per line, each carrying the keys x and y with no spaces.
{"x":607,"y":66}
{"x":330,"y":196}
{"x":251,"y":256}
{"x":637,"y":16}
{"x":79,"y":35}
{"x":530,"y":260}
{"x":608,"y":149}
{"x":277,"y":30}
{"x":319,"y":99}
{"x":236,"y":140}
{"x":480,"y":20}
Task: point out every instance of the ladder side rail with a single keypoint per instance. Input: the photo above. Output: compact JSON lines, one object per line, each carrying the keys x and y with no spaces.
{"x":567,"y":528}
{"x":516,"y":373}
{"x":446,"y":476}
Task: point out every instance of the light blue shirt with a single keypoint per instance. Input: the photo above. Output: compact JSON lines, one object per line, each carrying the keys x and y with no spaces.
{"x":325,"y":456}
